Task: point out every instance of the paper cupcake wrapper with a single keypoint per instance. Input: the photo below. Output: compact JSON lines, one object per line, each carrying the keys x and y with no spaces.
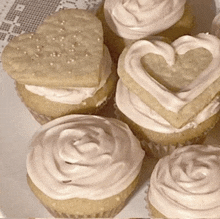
{"x":150,"y":215}
{"x":105,"y":214}
{"x":158,"y":150}
{"x":42,"y":119}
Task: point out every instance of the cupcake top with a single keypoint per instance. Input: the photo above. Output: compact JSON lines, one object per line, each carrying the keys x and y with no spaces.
{"x":176,"y":80}
{"x":186,"y":184}
{"x":65,"y":51}
{"x":84,"y":156}
{"x":140,"y":18}
{"x":76,"y":95}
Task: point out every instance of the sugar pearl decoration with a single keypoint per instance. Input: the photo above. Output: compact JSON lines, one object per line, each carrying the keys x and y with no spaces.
{"x":71,"y":60}
{"x":62,"y":38}
{"x":55,"y":54}
{"x":61,"y":30}
{"x":62,"y":22}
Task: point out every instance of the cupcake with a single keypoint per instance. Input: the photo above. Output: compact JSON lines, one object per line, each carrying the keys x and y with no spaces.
{"x":125,"y":22}
{"x":84,"y":166}
{"x":169,"y":93}
{"x":185,"y":184}
{"x":63,"y":68}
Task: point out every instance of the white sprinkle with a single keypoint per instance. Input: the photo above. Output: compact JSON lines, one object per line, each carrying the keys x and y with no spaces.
{"x":62,"y":38}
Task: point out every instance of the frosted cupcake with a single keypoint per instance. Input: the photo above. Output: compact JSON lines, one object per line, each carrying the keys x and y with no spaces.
{"x":84,"y":166}
{"x":186,"y":184}
{"x":169,"y":93}
{"x":125,"y":22}
{"x":63,"y":68}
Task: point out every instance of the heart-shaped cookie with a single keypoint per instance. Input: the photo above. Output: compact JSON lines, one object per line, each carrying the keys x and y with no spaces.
{"x":65,"y":51}
{"x":186,"y":69}
{"x":178,"y":101}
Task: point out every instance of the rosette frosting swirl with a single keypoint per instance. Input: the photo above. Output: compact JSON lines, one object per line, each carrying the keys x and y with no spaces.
{"x":186,"y":184}
{"x":84,"y":156}
{"x":135,"y":19}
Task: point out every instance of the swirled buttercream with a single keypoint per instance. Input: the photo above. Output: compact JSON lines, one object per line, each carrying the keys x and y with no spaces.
{"x":135,"y":19}
{"x":136,"y":110}
{"x":77,"y":94}
{"x":84,"y":156}
{"x":186,"y":184}
{"x":173,"y":101}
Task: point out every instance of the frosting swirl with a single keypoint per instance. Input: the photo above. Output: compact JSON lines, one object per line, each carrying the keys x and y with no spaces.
{"x":75,"y":95}
{"x":82,"y":156}
{"x":135,"y":19}
{"x":187,"y":183}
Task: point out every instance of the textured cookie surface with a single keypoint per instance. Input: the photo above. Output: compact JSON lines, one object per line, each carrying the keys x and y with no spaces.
{"x":65,"y":51}
{"x":187,"y":67}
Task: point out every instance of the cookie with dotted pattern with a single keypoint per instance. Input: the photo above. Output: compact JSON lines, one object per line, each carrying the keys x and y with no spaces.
{"x":65,"y":51}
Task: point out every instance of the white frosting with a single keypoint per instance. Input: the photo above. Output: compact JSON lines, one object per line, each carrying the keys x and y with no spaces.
{"x":75,"y":95}
{"x":2,"y":215}
{"x":84,"y":156}
{"x":173,"y":101}
{"x":215,"y":27}
{"x":186,"y":184}
{"x":135,"y":19}
{"x":136,"y":110}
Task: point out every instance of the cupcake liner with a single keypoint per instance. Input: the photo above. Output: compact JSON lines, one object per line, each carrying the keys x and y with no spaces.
{"x":159,"y":150}
{"x":151,"y":213}
{"x":40,"y":118}
{"x":148,"y":205}
{"x":105,"y":214}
